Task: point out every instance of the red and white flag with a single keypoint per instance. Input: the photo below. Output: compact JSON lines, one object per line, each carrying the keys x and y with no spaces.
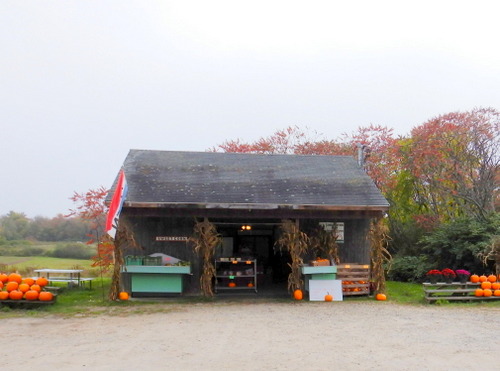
{"x":116,"y":204}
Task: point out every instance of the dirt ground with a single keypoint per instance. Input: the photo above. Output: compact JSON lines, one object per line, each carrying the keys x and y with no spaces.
{"x":260,"y":336}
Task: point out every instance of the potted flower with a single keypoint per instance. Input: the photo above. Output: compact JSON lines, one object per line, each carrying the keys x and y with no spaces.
{"x":463,"y":275}
{"x":448,"y":275}
{"x":434,"y":275}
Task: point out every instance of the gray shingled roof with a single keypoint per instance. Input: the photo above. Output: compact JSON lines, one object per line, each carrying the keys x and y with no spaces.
{"x":257,"y":181}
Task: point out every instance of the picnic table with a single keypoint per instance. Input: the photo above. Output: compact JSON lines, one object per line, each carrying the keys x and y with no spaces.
{"x":71,"y":276}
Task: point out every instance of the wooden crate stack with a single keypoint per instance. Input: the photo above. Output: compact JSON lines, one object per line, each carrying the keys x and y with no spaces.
{"x":355,"y":279}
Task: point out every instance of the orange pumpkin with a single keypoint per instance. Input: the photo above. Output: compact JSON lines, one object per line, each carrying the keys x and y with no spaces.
{"x":29,"y":281}
{"x":36,"y":287}
{"x":31,"y":295}
{"x":15,"y":277}
{"x":123,"y":295}
{"x":483,"y":278}
{"x":474,"y":278}
{"x":45,"y":296}
{"x":15,"y":295}
{"x":381,"y":297}
{"x":328,"y":297}
{"x":23,"y":287}
{"x":4,"y":295}
{"x":11,"y":286}
{"x":492,"y":278}
{"x":486,"y":285}
{"x":4,"y":278}
{"x":495,"y":286}
{"x":297,"y":295}
{"x":250,"y":284}
{"x":479,"y":292}
{"x":487,"y":292}
{"x":495,"y":293}
{"x":232,"y":284}
{"x":42,"y":281}
{"x":1,"y":285}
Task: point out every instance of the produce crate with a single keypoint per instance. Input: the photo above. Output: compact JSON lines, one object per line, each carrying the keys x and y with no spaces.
{"x":151,"y":260}
{"x":316,"y":263}
{"x":355,"y":279}
{"x":133,"y":260}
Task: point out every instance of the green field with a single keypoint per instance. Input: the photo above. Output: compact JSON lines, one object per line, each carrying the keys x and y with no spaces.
{"x":26,"y":264}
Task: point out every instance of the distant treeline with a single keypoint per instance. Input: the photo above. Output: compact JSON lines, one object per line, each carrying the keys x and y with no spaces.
{"x":17,"y":226}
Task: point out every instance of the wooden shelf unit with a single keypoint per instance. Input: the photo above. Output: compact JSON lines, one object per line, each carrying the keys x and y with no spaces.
{"x":455,"y":291}
{"x":355,"y":279}
{"x":241,"y":272}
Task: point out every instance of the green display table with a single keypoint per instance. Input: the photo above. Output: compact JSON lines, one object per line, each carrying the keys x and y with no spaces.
{"x":322,"y":272}
{"x":154,"y":279}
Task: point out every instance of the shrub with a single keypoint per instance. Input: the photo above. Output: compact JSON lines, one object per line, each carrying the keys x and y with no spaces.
{"x":409,"y":268}
{"x":73,"y":251}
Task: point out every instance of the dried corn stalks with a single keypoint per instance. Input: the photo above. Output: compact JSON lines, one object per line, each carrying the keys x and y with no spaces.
{"x":324,"y":244}
{"x":493,"y":254}
{"x":296,"y":243}
{"x":378,"y":237}
{"x":205,"y":240}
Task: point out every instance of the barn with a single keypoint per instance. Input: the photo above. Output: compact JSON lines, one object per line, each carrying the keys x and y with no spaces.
{"x":246,"y":197}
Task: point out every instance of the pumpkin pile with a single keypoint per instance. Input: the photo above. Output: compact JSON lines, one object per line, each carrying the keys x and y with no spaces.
{"x":357,"y":286}
{"x":489,"y":285}
{"x":16,"y":288}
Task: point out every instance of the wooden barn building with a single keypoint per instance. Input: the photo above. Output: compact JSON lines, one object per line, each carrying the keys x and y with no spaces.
{"x":247,"y":197}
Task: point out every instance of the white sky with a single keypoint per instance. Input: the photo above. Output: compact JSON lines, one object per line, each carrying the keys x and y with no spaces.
{"x":82,"y":82}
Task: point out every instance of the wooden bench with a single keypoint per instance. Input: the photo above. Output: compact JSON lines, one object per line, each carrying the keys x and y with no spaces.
{"x":455,"y":291}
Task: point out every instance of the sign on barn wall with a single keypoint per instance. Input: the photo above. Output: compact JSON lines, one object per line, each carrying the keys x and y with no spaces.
{"x":338,"y":227}
{"x":171,"y":238}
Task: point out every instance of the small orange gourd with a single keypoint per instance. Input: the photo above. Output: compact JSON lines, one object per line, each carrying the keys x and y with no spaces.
{"x":496,"y":293}
{"x":328,"y":297}
{"x":23,"y":287}
{"x":492,"y":278}
{"x":483,"y":278}
{"x":15,"y":277}
{"x":495,"y":285}
{"x":474,"y":278}
{"x":36,"y":287}
{"x":297,"y":295}
{"x":123,"y":295}
{"x":15,"y":295}
{"x":31,"y":295}
{"x":232,"y":284}
{"x":45,"y":296}
{"x":479,"y":292}
{"x":486,"y":285}
{"x":29,"y":281}
{"x":42,"y":281}
{"x":4,"y":295}
{"x":250,"y":284}
{"x":381,"y":297}
{"x":1,"y":285}
{"x":11,"y":286}
{"x":4,"y":278}
{"x":487,"y":292}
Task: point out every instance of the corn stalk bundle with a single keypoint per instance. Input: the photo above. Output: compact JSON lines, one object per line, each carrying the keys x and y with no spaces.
{"x":324,"y":244}
{"x":378,"y":237}
{"x":205,"y":240}
{"x":493,"y":254}
{"x":296,"y":243}
{"x":124,"y":238}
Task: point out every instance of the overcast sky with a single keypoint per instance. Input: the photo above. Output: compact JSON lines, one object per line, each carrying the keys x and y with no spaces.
{"x":82,"y":82}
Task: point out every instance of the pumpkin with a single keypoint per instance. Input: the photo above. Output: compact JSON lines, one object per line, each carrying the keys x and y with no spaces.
{"x":15,"y":295}
{"x":492,"y":278}
{"x":487,"y":292}
{"x":4,"y":295}
{"x":232,"y":284}
{"x":483,"y":278}
{"x":4,"y":278}
{"x":23,"y":287}
{"x":486,"y":285}
{"x":1,"y":285}
{"x":381,"y":297}
{"x":11,"y":286}
{"x":29,"y":281}
{"x":36,"y":287}
{"x":31,"y":295}
{"x":478,"y":292}
{"x":42,"y":281}
{"x":328,"y":297}
{"x":123,"y":295}
{"x":250,"y":284}
{"x":495,"y":293}
{"x":15,"y":277}
{"x":474,"y":278}
{"x":297,"y":295}
{"x":495,"y":286}
{"x":45,"y":296}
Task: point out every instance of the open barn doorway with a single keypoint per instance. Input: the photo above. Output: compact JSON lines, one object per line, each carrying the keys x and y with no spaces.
{"x":252,"y":240}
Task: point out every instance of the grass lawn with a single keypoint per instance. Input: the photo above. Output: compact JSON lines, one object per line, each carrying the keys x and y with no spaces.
{"x":23,"y":263}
